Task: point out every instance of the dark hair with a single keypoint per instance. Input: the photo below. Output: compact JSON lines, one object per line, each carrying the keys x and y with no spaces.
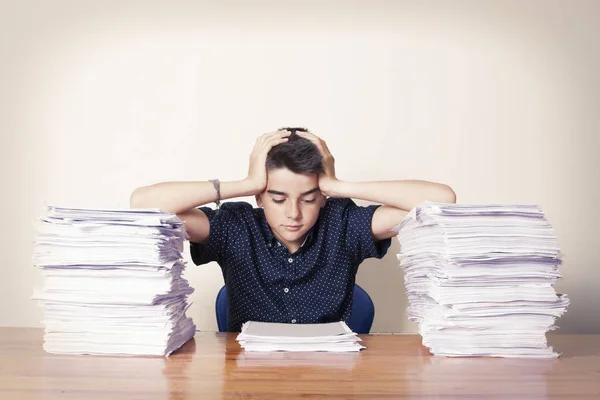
{"x":298,"y":154}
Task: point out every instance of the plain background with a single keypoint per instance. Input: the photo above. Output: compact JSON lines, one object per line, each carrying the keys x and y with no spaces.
{"x":499,"y":99}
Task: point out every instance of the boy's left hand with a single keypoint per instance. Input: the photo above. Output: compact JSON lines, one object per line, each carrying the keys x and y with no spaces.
{"x":327,"y":179}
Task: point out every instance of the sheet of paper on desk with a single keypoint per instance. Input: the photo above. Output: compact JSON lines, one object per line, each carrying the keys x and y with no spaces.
{"x":342,"y":361}
{"x":268,"y":336}
{"x":479,"y":279}
{"x":113,"y":281}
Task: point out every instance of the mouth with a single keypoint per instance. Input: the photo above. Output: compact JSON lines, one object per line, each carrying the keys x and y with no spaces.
{"x":293,"y":227}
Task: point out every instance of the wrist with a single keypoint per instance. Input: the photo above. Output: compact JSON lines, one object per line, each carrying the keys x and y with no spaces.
{"x":332,"y":187}
{"x":252,"y":186}
{"x":234,"y":189}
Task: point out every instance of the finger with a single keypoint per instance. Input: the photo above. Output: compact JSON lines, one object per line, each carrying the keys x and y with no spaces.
{"x":317,"y":141}
{"x":276,"y":137}
{"x":325,"y":148}
{"x":262,"y":140}
{"x":313,"y":138}
{"x":276,"y":140}
{"x":269,"y":135}
{"x":273,"y":141}
{"x":308,"y":135}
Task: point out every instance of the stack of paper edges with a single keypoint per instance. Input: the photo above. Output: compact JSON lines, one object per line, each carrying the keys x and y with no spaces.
{"x":479,"y":279}
{"x":113,"y":281}
{"x":266,"y":336}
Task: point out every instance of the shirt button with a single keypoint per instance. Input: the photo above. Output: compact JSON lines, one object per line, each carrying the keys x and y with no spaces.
{"x":286,"y":290}
{"x":293,"y":321}
{"x":269,"y":245}
{"x":290,"y":260}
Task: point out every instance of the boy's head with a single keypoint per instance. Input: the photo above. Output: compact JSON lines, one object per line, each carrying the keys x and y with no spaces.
{"x":292,"y":199}
{"x":298,"y":154}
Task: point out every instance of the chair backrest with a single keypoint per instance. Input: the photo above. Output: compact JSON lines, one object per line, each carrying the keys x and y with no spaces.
{"x":361,"y":320}
{"x":221,"y":309}
{"x":363,"y":311}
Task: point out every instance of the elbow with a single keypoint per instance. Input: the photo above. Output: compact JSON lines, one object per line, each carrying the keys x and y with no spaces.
{"x":449,"y":195}
{"x":136,"y":200}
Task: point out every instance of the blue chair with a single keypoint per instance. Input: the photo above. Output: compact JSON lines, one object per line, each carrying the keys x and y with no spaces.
{"x":363,"y":311}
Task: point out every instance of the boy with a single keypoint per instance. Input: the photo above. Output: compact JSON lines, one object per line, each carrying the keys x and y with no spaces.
{"x":294,"y":259}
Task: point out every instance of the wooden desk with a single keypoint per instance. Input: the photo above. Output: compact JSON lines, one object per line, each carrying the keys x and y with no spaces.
{"x":213,"y":367}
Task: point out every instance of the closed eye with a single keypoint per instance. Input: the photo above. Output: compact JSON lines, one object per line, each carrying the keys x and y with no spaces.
{"x":307,"y":201}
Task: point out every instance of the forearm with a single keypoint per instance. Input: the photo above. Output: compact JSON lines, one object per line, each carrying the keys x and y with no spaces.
{"x":403,"y":194}
{"x":179,"y":197}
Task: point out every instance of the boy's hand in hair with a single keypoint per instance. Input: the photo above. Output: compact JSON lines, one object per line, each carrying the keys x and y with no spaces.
{"x":327,"y":180}
{"x":257,"y":172}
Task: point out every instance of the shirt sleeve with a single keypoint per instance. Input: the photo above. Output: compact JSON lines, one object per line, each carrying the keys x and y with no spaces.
{"x":359,"y":237}
{"x":224,"y":224}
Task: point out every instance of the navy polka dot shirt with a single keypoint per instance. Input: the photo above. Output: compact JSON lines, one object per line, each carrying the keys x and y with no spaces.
{"x":267,"y":283}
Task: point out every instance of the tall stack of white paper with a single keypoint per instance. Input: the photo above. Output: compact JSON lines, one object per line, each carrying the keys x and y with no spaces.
{"x":479,"y":279}
{"x":271,"y":336}
{"x":113,"y":281}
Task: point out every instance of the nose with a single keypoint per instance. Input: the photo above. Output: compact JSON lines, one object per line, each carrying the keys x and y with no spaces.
{"x":293,"y":211}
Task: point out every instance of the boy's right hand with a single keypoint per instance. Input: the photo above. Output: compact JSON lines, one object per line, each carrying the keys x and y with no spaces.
{"x":257,"y":173}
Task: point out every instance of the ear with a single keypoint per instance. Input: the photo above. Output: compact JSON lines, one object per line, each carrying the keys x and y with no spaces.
{"x":323,"y":200}
{"x":258,"y":198}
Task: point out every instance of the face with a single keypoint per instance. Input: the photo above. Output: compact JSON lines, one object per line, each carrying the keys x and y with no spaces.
{"x":291,"y":203}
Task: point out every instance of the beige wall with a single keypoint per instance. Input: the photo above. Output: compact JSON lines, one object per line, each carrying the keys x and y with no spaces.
{"x":498,"y":99}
